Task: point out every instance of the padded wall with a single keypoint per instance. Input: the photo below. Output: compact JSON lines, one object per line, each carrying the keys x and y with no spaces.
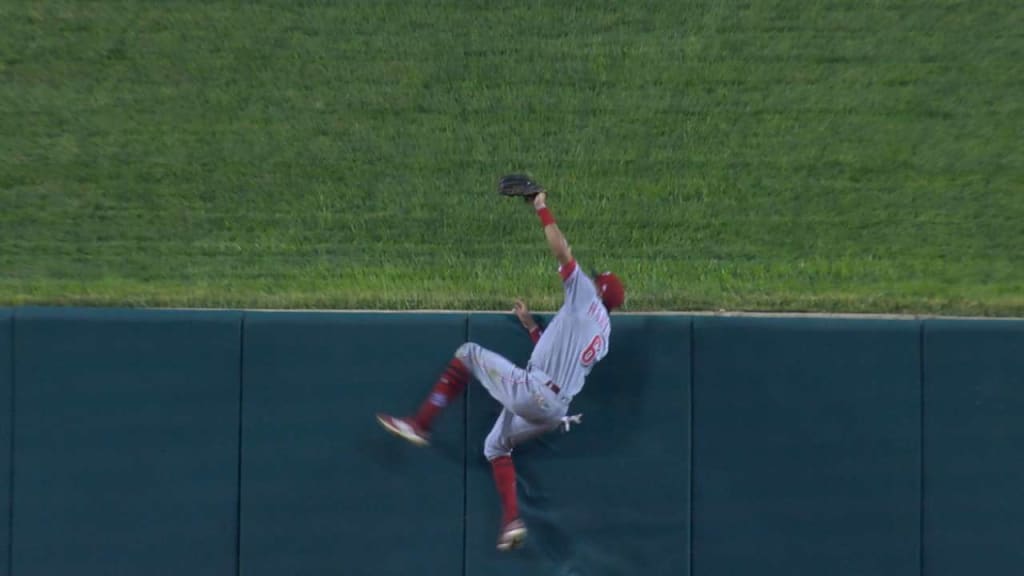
{"x":182,"y":442}
{"x":807,"y":447}
{"x":126,"y":442}
{"x":6,"y":414}
{"x":612,"y":496}
{"x":974,"y":448}
{"x":325,"y":490}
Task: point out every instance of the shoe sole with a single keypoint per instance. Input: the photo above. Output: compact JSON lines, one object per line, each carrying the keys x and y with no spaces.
{"x":414,"y":439}
{"x":512,"y":539}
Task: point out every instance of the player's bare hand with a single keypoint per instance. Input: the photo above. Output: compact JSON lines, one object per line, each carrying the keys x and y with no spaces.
{"x":523,"y":313}
{"x":540,"y":200}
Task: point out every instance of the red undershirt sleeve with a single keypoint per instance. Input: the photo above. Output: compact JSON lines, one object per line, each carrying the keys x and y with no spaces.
{"x":566,"y":271}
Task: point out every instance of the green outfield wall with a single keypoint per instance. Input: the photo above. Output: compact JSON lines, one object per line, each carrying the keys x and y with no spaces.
{"x":244,"y":443}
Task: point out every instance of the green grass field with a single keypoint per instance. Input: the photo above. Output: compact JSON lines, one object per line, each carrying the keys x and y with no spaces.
{"x":787,"y":155}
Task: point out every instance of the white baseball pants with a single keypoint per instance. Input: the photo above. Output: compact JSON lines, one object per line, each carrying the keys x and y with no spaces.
{"x":530,"y":407}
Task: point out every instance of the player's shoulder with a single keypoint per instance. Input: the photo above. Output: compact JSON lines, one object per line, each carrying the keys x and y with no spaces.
{"x":596,"y":312}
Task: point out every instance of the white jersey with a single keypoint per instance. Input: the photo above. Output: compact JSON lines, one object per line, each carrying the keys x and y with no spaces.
{"x":577,"y":337}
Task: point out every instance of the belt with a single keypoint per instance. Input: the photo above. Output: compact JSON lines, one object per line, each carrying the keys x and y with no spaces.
{"x":550,"y":384}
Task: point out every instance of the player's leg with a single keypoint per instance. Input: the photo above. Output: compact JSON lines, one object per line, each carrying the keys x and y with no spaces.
{"x":498,"y":375}
{"x":522,"y":393}
{"x":509,"y":431}
{"x":449,"y":385}
{"x":495,"y":372}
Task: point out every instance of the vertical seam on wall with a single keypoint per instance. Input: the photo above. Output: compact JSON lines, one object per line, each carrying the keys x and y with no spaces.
{"x":465,"y":463}
{"x":693,"y":385}
{"x":921,"y":507}
{"x":10,"y":471}
{"x":238,"y":477}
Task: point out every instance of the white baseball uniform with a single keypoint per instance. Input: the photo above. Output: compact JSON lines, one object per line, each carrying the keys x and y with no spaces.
{"x":536,"y":398}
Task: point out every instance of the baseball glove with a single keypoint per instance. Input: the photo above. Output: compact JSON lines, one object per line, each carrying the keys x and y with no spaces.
{"x":519,"y":185}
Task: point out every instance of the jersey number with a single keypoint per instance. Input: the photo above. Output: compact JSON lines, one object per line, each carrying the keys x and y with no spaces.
{"x":590,"y":354}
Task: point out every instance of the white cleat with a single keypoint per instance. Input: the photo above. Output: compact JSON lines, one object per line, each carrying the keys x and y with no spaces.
{"x":405,"y":428}
{"x":512,"y":535}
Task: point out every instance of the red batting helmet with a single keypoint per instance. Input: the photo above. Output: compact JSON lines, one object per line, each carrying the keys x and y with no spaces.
{"x":610,"y":288}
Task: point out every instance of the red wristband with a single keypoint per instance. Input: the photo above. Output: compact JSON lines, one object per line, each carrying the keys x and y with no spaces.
{"x":546,"y":219}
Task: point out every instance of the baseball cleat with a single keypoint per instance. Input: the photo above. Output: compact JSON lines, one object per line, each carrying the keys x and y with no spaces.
{"x":405,"y":428}
{"x":512,"y":535}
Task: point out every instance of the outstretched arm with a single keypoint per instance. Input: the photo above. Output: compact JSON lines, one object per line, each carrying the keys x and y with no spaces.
{"x":556,"y":241}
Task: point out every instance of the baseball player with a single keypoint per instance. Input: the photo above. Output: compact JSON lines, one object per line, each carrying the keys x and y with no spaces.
{"x":536,"y":398}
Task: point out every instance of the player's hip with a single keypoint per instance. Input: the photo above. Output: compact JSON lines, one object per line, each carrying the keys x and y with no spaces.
{"x":542,"y":382}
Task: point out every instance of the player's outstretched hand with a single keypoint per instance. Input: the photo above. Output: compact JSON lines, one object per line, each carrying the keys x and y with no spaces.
{"x":523,"y":313}
{"x":540,"y":200}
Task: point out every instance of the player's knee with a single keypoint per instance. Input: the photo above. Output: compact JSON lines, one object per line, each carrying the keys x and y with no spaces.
{"x":466,"y":352}
{"x":492,"y":452}
{"x":495,"y":446}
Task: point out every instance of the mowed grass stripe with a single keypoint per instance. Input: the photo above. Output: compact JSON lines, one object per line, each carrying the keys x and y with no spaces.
{"x":828,"y":156}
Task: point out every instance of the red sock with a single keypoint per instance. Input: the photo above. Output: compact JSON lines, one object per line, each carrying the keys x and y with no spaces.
{"x":505,"y":481}
{"x":451,"y":383}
